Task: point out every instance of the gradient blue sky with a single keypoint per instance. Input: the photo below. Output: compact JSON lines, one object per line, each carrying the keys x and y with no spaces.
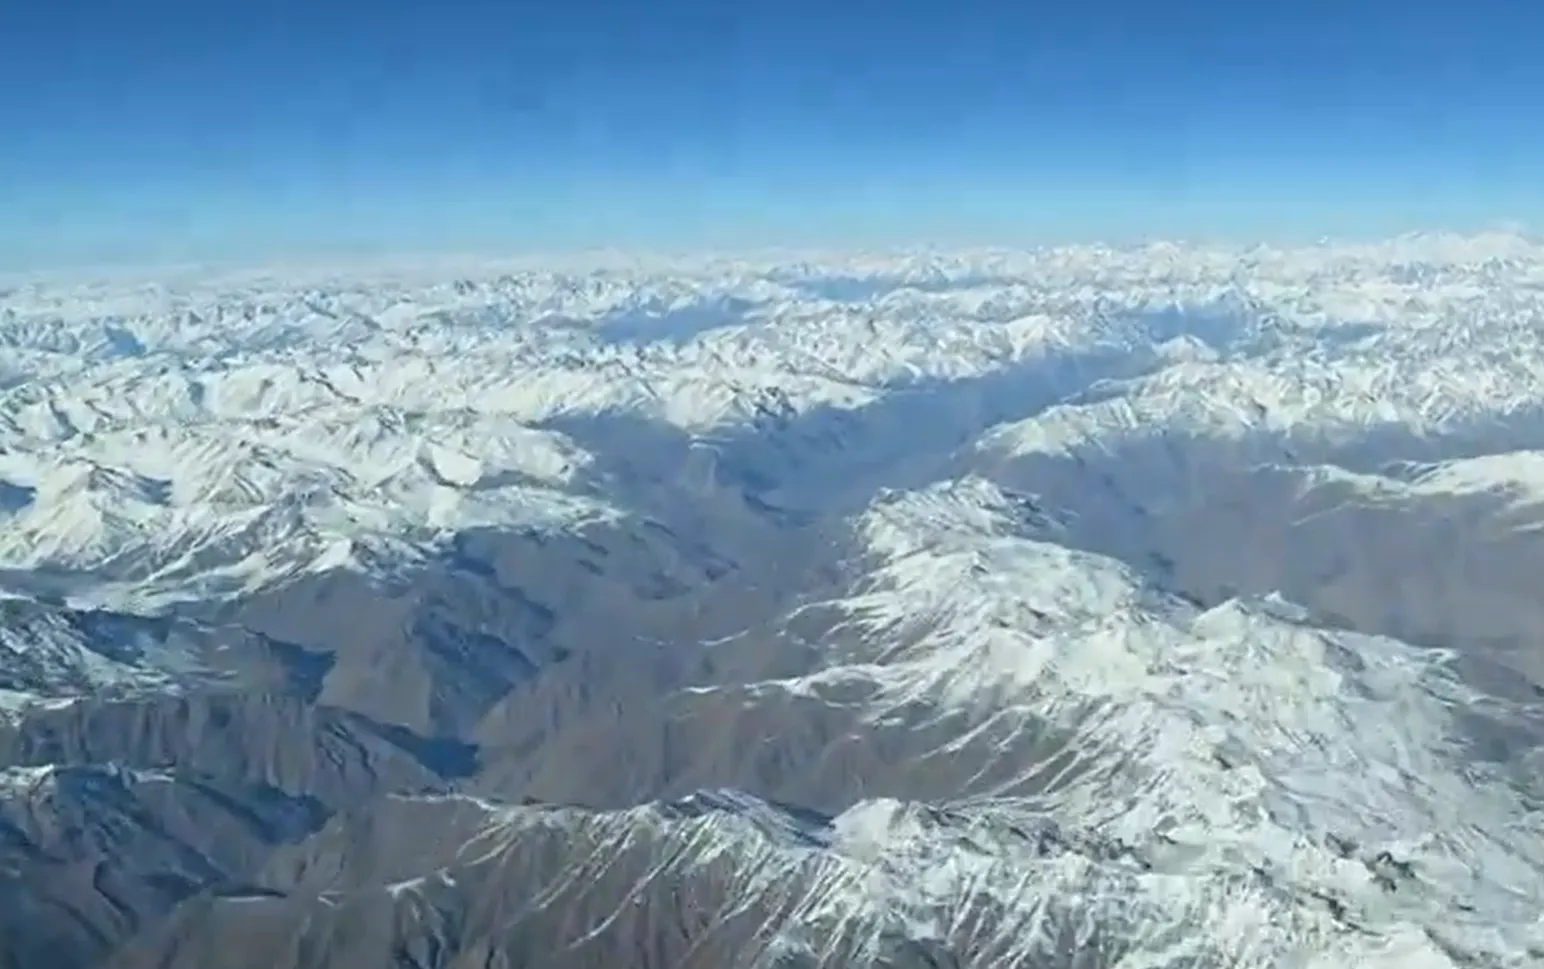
{"x":150,"y":130}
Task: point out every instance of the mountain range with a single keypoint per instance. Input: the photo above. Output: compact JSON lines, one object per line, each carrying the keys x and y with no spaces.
{"x":1165,"y":607}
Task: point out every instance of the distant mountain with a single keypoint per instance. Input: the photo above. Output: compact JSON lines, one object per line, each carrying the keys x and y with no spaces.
{"x":1083,"y":608}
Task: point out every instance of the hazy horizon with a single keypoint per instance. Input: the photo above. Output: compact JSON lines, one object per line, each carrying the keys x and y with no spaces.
{"x":174,"y":132}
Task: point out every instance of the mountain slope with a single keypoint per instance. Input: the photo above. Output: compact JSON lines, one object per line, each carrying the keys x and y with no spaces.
{"x":1084,"y":607}
{"x":1228,"y":786}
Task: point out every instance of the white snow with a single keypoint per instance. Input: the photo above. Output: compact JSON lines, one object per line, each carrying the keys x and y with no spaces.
{"x":200,"y":433}
{"x":51,"y":658}
{"x":202,"y":436}
{"x":1221,"y":754}
{"x":1231,"y":739}
{"x":1518,"y":475}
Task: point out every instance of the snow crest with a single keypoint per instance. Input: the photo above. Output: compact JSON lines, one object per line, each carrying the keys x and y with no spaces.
{"x":1234,"y":785}
{"x":1298,"y":796}
{"x":195,"y":436}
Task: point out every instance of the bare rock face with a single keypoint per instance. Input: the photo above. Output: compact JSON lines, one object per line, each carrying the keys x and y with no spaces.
{"x":1085,"y":609}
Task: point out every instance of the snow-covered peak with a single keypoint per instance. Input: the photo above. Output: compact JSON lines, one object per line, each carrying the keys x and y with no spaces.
{"x":213,"y":432}
{"x":50,"y":656}
{"x":1238,"y":749}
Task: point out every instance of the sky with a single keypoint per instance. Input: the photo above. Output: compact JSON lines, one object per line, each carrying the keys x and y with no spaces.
{"x":172,"y":130}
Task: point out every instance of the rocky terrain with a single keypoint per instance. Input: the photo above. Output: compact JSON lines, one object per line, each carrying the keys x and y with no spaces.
{"x":1083,"y":608}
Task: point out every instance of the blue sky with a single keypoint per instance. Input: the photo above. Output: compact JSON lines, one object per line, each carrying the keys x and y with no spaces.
{"x":173,"y":130}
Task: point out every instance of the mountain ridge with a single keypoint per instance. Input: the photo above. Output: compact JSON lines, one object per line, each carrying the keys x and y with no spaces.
{"x":1087,"y":607}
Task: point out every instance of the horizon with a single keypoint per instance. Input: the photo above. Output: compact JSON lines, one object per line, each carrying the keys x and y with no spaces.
{"x":609,"y":259}
{"x":172,"y":133}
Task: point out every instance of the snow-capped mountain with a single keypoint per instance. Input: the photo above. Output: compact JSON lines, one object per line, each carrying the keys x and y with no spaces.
{"x":1084,"y":607}
{"x":181,"y":438}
